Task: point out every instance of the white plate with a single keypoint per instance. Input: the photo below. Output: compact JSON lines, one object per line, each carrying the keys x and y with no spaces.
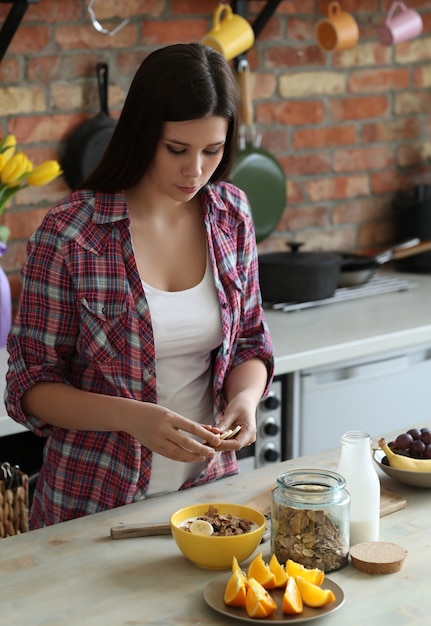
{"x":414,"y":479}
{"x":214,"y":593}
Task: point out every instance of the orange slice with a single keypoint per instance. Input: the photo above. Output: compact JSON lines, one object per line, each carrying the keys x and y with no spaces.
{"x":292,"y":601}
{"x":236,"y":588}
{"x":258,"y":602}
{"x":259,"y":570}
{"x":313,"y":595}
{"x":279,"y":572}
{"x":315,"y":575}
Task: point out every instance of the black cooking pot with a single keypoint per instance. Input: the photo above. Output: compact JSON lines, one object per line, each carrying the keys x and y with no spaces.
{"x":298,"y":276}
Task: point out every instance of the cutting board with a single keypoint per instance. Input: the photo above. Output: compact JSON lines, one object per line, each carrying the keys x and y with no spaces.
{"x":389,"y":502}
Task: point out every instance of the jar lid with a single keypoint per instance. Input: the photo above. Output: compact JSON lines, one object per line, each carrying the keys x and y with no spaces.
{"x":311,"y":480}
{"x":378,"y":557}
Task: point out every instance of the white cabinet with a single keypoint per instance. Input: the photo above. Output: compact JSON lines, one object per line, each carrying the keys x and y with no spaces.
{"x":383,"y":393}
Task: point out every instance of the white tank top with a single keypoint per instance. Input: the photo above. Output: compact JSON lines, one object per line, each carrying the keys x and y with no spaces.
{"x":186,"y":327}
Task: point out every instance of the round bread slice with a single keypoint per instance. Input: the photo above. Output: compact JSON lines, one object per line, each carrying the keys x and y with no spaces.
{"x":378,"y":557}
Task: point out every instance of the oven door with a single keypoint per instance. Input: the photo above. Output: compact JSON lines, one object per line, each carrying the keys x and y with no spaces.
{"x":268,"y":447}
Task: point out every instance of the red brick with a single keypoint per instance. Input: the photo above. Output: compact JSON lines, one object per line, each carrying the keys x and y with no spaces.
{"x":85,"y":37}
{"x":352,"y":6}
{"x":388,"y":181}
{"x":117,"y":10}
{"x":290,"y":113}
{"x":294,"y":56}
{"x":412,"y":101}
{"x":324,"y":137}
{"x":358,"y":108}
{"x":380,"y":79}
{"x":337,"y":188}
{"x":360,"y":210}
{"x":275,"y":139}
{"x":297,"y":218}
{"x":295,"y":7}
{"x":54,"y":11}
{"x":371,"y":158}
{"x":295,"y":192}
{"x":44,"y":69}
{"x":305,"y":164}
{"x":379,"y":234}
{"x":167,"y":31}
{"x":9,"y":71}
{"x":39,"y":128}
{"x":189,"y":7}
{"x":31,"y":39}
{"x":23,"y":223}
{"x":391,"y":130}
{"x":301,"y":29}
{"x":410,"y":155}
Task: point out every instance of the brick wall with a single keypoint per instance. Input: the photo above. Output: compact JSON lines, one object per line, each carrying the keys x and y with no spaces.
{"x":348,"y":128}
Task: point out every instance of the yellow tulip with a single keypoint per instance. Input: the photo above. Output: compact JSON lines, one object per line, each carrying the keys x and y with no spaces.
{"x":44,"y":173}
{"x":14,"y":170}
{"x":7,"y":148}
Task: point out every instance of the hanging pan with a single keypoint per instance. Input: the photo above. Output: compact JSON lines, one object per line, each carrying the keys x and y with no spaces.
{"x":86,"y":145}
{"x":256,"y":171}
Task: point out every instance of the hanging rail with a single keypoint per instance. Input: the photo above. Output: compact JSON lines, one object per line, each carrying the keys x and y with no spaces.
{"x":12,"y":21}
{"x":240,"y":7}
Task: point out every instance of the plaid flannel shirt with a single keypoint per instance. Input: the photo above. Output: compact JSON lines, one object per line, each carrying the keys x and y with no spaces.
{"x":84,"y":320}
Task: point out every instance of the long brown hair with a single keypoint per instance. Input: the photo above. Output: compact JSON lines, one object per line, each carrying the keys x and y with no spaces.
{"x":175,"y":83}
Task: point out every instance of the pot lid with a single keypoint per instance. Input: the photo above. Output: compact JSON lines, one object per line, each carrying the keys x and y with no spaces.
{"x":295,"y":258}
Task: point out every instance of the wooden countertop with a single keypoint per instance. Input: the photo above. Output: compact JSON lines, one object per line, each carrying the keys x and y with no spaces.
{"x":74,"y":574}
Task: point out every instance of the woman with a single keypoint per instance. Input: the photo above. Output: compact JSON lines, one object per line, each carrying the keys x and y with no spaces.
{"x":140,"y":335}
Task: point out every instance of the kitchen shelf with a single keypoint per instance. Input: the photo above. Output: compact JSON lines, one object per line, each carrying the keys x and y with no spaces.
{"x":12,"y":21}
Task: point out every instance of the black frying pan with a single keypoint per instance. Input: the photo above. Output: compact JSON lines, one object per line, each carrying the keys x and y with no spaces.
{"x":256,"y":171}
{"x":86,"y":145}
{"x":357,"y":269}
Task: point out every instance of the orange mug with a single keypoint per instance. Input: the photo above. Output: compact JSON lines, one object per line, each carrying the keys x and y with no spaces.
{"x":338,"y":31}
{"x":231,"y":34}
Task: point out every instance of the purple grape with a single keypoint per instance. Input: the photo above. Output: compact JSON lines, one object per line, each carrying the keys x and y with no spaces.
{"x":426,"y":436}
{"x":427,"y":452}
{"x":404,"y":441}
{"x":415,"y":433}
{"x":417,"y":448}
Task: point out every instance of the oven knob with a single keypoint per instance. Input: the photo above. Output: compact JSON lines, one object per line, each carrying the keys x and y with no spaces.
{"x":270,"y":427}
{"x":270,"y":454}
{"x":271,"y":403}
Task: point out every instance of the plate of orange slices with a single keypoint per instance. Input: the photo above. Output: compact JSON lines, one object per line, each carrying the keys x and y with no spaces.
{"x":273,"y":593}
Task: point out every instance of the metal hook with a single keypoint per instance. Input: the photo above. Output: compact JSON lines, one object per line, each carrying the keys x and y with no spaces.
{"x":98,"y":26}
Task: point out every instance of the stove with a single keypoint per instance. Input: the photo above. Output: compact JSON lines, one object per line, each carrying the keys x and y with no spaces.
{"x":378,"y":284}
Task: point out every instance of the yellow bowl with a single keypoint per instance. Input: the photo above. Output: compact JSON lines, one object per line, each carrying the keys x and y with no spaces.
{"x":215,"y":552}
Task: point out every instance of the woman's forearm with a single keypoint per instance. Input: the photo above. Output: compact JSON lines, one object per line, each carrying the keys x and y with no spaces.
{"x":67,"y":407}
{"x":251,"y":376}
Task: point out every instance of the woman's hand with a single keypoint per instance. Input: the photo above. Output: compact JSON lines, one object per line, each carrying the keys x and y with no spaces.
{"x":240,"y":411}
{"x":171,"y":434}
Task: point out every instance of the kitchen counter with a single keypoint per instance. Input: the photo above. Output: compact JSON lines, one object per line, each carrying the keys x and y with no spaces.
{"x":348,"y":330}
{"x":332,"y":333}
{"x":74,"y":573}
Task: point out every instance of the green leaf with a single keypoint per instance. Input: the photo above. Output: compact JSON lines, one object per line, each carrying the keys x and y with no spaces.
{"x":4,"y":233}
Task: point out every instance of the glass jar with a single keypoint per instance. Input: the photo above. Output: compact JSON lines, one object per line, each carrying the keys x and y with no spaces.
{"x":310,"y":519}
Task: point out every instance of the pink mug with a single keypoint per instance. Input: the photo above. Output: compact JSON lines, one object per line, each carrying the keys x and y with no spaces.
{"x":400,"y":25}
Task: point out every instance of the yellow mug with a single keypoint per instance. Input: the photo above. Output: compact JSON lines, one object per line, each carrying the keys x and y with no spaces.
{"x":231,"y":34}
{"x":338,"y":31}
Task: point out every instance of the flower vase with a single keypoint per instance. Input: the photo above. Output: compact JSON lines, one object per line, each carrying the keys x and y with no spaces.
{"x":5,"y":302}
{"x":5,"y":308}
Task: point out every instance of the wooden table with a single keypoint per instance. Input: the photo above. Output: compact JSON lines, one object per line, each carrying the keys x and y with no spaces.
{"x":74,"y":574}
